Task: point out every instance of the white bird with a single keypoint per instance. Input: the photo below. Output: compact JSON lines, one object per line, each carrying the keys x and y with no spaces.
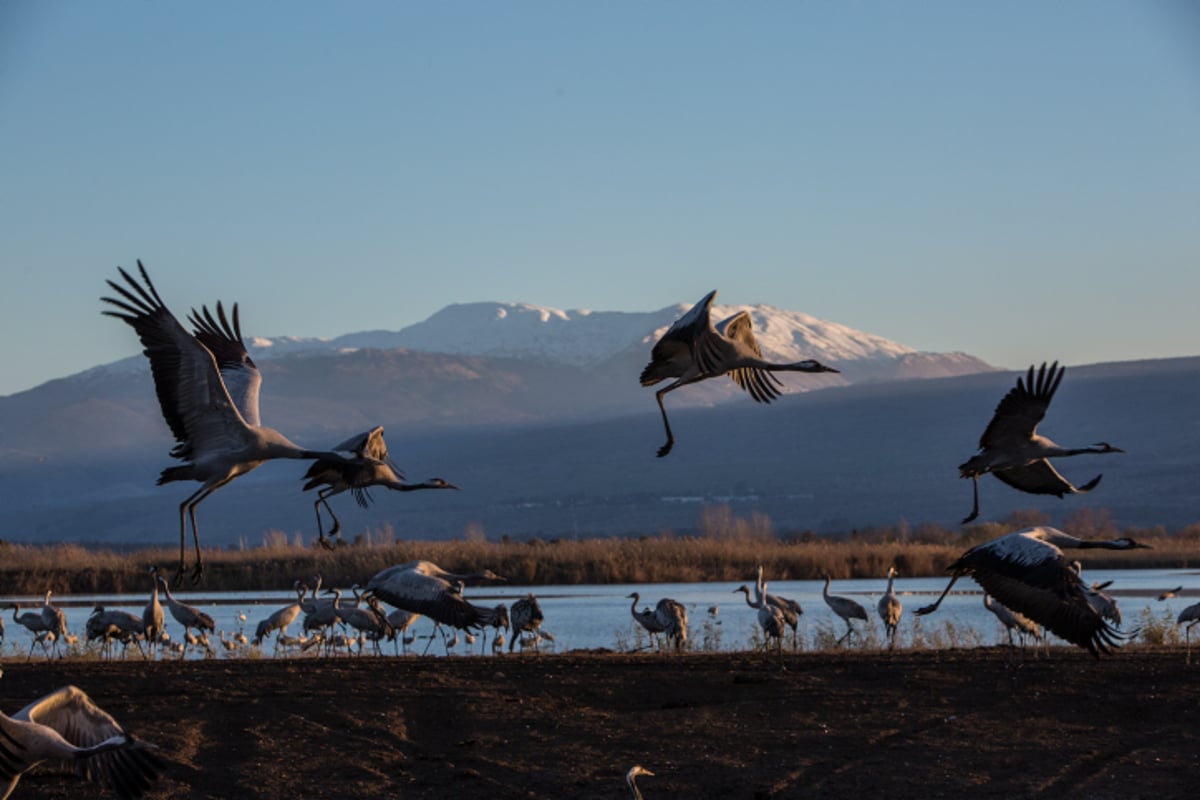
{"x":890,"y":608}
{"x":374,"y":468}
{"x":631,"y":780}
{"x":207,"y":388}
{"x":67,"y":726}
{"x":1190,"y":615}
{"x":845,"y":608}
{"x":1028,"y":573}
{"x":693,"y":350}
{"x":1012,"y":450}
{"x":425,"y":588}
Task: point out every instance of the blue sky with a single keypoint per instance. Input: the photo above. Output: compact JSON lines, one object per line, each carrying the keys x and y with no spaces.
{"x":1017,"y":180}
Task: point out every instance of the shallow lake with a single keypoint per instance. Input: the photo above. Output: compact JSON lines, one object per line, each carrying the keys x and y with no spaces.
{"x":587,"y":617}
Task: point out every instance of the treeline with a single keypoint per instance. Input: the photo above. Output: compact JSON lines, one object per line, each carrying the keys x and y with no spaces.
{"x":724,"y":548}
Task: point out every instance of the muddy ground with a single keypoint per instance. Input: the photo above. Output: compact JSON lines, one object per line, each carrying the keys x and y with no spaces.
{"x":955,"y":724}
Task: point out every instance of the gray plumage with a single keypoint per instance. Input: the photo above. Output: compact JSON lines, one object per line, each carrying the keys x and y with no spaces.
{"x":186,"y":615}
{"x":207,"y":389}
{"x":1028,"y":572}
{"x":67,"y":726}
{"x":525,"y":616}
{"x":1012,"y":621}
{"x":425,"y":588}
{"x":373,"y":467}
{"x":1190,"y":615}
{"x":890,"y":608}
{"x":845,"y":608}
{"x":1012,"y":450}
{"x":693,"y":349}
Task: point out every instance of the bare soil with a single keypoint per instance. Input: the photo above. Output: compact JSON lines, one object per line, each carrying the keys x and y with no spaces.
{"x":928,"y":724}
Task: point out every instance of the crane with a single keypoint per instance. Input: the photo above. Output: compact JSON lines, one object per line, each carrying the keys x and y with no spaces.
{"x":526,"y":615}
{"x":890,"y":608}
{"x":1011,"y":621}
{"x":373,"y":468}
{"x":425,"y":588}
{"x":1102,"y":602}
{"x":207,"y":389}
{"x":153,"y":619}
{"x":845,"y":608}
{"x":186,"y":615}
{"x":770,"y":619}
{"x":693,"y":350}
{"x":281,"y":618}
{"x":1190,"y":615}
{"x":1027,"y":572}
{"x":631,"y":780}
{"x":35,"y":623}
{"x":1012,"y":450}
{"x":66,"y":725}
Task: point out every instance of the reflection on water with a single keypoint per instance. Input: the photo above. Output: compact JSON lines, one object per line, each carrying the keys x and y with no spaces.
{"x":592,"y":617}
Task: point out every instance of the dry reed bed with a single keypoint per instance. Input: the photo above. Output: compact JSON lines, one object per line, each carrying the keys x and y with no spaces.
{"x":72,"y":569}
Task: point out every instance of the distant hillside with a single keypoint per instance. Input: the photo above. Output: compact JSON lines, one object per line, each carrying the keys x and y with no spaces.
{"x":831,"y":460}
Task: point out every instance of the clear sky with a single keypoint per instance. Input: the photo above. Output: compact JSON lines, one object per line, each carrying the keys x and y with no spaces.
{"x":1018,"y":180}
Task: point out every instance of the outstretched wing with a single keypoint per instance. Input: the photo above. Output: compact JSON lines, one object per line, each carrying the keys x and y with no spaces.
{"x":191,"y":394}
{"x":675,"y":352}
{"x":238,"y":371}
{"x":1019,"y":412}
{"x":735,"y":336}
{"x":128,"y":770}
{"x":1041,"y":477}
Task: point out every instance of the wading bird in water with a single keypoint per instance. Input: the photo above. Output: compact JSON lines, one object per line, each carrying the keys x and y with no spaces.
{"x":374,"y":468}
{"x":694,"y":350}
{"x":1012,"y":450}
{"x":1028,"y":572}
{"x":207,"y":388}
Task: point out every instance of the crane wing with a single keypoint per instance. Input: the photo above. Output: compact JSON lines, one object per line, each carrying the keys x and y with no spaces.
{"x":238,"y":371}
{"x":1019,"y":412}
{"x":427,"y":595}
{"x":734,"y":338}
{"x":128,"y":770}
{"x":1041,"y":477}
{"x":191,"y":394}
{"x":675,"y":351}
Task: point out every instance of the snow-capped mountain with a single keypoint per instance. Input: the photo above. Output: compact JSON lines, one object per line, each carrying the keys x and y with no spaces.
{"x":581,"y":338}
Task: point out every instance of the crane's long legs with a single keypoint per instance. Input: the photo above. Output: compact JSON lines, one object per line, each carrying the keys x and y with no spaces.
{"x":188,"y":508}
{"x":974,"y":508}
{"x":666,"y":448}
{"x":920,"y":612}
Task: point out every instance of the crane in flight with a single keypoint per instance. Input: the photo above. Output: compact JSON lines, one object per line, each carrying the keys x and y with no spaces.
{"x":207,"y":389}
{"x":1013,"y":451}
{"x":1028,"y":572}
{"x":693,"y":349}
{"x":374,"y":467}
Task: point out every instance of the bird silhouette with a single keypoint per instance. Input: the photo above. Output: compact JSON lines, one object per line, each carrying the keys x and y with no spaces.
{"x":1012,"y":450}
{"x":207,"y":389}
{"x":693,"y":350}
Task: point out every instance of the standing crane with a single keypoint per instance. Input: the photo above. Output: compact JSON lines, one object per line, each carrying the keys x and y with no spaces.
{"x":425,"y":588}
{"x":771,"y":620}
{"x":693,"y":350}
{"x":281,"y":618}
{"x":34,"y":623}
{"x":890,"y":608}
{"x":67,"y":726}
{"x":789,"y":610}
{"x":845,"y":608}
{"x":668,"y":617}
{"x":188,"y":616}
{"x":1028,"y":572}
{"x":1013,"y":451}
{"x":207,"y":389}
{"x":1012,"y":621}
{"x":153,"y":619}
{"x":374,"y":468}
{"x":1190,"y":615}
{"x":526,"y":615}
{"x":54,"y":621}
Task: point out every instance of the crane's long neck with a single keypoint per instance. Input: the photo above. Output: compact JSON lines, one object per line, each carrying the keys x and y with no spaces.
{"x":827,"y":582}
{"x":632,"y":606}
{"x":637,"y":794}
